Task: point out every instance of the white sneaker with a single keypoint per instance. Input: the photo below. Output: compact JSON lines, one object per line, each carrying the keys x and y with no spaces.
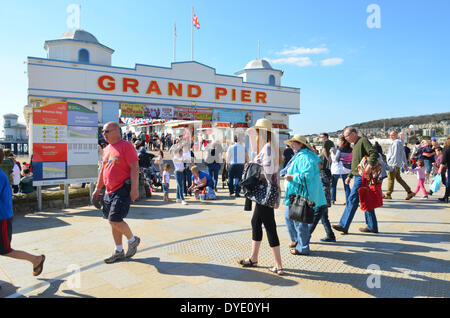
{"x":184,"y":202}
{"x":178,"y":200}
{"x":424,"y":198}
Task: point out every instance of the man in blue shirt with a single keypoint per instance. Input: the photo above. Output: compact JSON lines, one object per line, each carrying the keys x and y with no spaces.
{"x":236,"y":158}
{"x":6,"y":215}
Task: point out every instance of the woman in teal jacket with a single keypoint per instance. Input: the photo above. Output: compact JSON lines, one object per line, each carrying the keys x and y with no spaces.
{"x":303,"y":177}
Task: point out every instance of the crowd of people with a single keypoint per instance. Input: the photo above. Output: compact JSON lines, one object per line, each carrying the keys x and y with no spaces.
{"x":255,"y":170}
{"x":19,"y":174}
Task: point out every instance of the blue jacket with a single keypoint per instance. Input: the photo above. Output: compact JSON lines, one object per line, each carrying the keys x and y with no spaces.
{"x":6,"y":211}
{"x":305,"y":170}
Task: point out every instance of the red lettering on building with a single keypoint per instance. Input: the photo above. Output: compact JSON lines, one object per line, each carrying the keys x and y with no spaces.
{"x":220,"y":91}
{"x":245,"y":96}
{"x":194,"y":87}
{"x":110,"y":85}
{"x":178,"y":90}
{"x":130,"y":83}
{"x":153,"y":87}
{"x":261,"y":96}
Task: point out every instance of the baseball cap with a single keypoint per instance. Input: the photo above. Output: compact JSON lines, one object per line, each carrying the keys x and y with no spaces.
{"x":433,"y":139}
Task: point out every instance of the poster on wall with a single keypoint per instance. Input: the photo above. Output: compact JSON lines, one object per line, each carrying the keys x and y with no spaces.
{"x":158,"y":112}
{"x":131,"y":110}
{"x":64,"y":142}
{"x":190,"y":113}
{"x":232,"y":116}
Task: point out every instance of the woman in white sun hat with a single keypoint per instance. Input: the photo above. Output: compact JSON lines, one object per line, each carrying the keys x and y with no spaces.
{"x":264,"y":142}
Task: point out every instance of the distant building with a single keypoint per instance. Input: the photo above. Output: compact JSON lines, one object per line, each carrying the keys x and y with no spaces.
{"x":447,"y":131}
{"x":431,"y":132}
{"x":14,"y":134}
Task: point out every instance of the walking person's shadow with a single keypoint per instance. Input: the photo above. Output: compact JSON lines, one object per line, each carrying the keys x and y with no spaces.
{"x":215,"y":271}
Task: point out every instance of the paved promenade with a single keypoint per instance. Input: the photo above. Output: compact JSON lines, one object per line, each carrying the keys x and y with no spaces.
{"x":192,"y":251}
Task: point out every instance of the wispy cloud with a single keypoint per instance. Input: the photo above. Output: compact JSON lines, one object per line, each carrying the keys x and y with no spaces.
{"x":295,"y":51}
{"x":299,"y":61}
{"x":331,"y":62}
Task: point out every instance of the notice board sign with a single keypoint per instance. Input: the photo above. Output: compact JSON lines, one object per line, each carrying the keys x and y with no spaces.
{"x":64,"y":142}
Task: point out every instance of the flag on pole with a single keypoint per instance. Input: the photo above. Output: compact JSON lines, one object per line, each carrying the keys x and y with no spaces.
{"x":195,"y":22}
{"x":175,"y":30}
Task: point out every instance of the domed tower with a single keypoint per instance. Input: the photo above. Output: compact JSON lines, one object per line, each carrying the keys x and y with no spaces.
{"x":78,"y":46}
{"x":261,"y":72}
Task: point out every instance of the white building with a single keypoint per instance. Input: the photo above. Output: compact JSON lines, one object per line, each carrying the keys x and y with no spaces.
{"x":78,"y":69}
{"x":15,"y":134}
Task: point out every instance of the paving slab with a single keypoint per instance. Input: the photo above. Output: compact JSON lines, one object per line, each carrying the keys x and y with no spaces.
{"x":192,"y":251}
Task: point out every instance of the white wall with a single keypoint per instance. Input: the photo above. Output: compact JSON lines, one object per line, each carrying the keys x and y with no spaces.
{"x":68,"y":51}
{"x":261,"y":77}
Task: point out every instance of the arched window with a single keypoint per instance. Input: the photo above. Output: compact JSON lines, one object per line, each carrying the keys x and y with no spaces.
{"x":83,"y":56}
{"x":271,"y":80}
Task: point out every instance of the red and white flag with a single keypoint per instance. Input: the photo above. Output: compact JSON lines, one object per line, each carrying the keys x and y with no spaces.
{"x":195,"y":22}
{"x":175,"y":30}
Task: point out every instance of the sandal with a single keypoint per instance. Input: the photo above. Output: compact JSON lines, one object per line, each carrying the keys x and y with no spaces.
{"x":248,"y":263}
{"x":38,"y":269}
{"x":275,"y":270}
{"x":293,"y":244}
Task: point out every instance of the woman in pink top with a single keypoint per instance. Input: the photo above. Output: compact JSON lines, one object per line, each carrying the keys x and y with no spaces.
{"x":421,"y":175}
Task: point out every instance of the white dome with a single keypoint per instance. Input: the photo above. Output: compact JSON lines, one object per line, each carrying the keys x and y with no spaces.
{"x":79,"y":35}
{"x":258,"y":64}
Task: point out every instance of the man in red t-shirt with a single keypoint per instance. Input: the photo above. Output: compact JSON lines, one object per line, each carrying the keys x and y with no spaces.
{"x":120,"y":168}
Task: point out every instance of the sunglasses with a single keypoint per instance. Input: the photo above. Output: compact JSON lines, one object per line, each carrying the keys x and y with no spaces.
{"x":105,"y":131}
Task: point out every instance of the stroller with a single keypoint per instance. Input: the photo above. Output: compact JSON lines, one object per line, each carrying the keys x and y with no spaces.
{"x":148,"y":172}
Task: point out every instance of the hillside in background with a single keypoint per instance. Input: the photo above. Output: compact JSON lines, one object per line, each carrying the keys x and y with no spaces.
{"x":404,"y":121}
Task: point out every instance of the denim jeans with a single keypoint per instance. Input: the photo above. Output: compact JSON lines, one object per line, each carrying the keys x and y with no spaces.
{"x":298,"y":232}
{"x":187,"y":180}
{"x":290,"y":226}
{"x":322,"y":214}
{"x":334,"y":184}
{"x":303,"y":237}
{"x":352,"y":206}
{"x":179,"y":176}
{"x":213,"y":170}
{"x":234,"y":177}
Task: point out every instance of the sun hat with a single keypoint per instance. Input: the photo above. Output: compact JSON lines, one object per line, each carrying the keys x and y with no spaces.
{"x":263,"y":123}
{"x":300,"y":139}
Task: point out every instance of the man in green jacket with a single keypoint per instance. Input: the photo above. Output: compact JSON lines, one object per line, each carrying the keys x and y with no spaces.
{"x":362,"y":147}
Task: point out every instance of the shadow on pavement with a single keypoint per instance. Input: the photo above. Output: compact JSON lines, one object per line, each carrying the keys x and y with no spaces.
{"x":417,"y":285}
{"x":49,"y":292}
{"x":7,"y":289}
{"x":216,"y":271}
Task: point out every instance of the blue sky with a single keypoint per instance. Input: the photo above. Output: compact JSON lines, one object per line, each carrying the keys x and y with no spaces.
{"x":347,"y":72}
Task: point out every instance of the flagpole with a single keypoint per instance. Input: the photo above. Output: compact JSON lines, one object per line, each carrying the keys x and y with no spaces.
{"x":175,"y":43}
{"x":192,"y":34}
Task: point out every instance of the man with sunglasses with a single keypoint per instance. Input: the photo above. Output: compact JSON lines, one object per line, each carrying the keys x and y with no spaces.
{"x":119,"y":169}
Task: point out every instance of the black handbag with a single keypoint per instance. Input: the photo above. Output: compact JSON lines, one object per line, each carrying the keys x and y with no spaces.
{"x":301,"y":209}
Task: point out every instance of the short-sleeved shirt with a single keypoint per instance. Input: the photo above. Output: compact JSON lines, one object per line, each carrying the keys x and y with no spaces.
{"x":236,"y":154}
{"x":116,"y":164}
{"x":6,"y":211}
{"x":201,"y":175}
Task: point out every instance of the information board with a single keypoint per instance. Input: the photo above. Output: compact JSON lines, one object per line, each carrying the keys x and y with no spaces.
{"x":64,"y":142}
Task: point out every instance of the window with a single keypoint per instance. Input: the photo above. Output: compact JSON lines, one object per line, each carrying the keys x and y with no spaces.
{"x":83,"y":56}
{"x":271,"y":80}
